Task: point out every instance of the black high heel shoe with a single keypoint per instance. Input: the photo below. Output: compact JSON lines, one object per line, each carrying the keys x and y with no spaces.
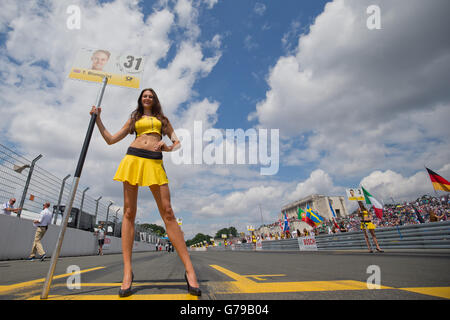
{"x":192,"y":290}
{"x":126,"y":292}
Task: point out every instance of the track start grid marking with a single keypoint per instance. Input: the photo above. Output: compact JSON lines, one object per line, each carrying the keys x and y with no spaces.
{"x":243,"y":284}
{"x":239,"y":284}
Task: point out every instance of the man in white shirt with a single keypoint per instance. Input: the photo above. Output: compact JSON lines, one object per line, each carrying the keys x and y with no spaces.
{"x":41,"y":225}
{"x":101,"y":239}
{"x":8,"y":207}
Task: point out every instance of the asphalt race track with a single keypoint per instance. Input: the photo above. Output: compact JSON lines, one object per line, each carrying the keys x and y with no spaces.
{"x":239,"y":275}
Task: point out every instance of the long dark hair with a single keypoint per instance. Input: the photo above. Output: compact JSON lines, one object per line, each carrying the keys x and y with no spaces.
{"x":156,"y":112}
{"x":362,"y":208}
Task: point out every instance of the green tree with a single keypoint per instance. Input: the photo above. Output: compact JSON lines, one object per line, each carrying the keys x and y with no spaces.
{"x":158,"y":230}
{"x":227,"y":231}
{"x":199,"y":237}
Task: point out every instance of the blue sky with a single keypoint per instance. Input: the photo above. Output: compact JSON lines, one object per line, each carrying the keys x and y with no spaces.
{"x":352,"y":105}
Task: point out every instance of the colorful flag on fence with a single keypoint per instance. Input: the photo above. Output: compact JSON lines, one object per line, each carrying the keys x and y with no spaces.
{"x":301,"y":214}
{"x":332,"y":210}
{"x":286,"y":224}
{"x":377,"y":206}
{"x":438,"y":182}
{"x":334,"y":215}
{"x":306,"y":219}
{"x":313,"y":216}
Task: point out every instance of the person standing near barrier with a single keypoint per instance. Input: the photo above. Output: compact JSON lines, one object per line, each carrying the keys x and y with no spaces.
{"x":143,"y":166}
{"x":41,"y":224}
{"x":8,"y":207}
{"x":366,"y":224}
{"x":101,"y":239}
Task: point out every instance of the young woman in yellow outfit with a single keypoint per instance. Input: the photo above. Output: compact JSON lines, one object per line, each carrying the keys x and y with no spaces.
{"x":366,"y":224}
{"x":143,"y":166}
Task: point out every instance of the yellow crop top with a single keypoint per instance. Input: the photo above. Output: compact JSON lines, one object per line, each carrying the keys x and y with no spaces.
{"x":365,"y":214}
{"x":147,"y":124}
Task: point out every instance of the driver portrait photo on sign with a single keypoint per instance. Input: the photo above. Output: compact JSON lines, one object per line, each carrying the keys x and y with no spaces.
{"x":355,"y":194}
{"x":99,"y":59}
{"x":123,"y":69}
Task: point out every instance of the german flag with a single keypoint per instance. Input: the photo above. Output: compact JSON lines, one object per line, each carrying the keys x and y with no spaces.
{"x":438,"y":182}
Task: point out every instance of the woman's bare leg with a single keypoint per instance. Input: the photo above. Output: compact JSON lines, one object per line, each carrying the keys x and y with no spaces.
{"x":130,"y":194}
{"x":372,"y":232}
{"x":367,"y":240}
{"x":162,"y":198}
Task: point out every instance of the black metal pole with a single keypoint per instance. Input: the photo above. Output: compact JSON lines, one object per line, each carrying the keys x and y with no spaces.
{"x":25,"y":189}
{"x":68,"y":209}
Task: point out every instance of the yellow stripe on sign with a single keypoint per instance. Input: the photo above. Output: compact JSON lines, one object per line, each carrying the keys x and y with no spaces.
{"x":441,"y":292}
{"x":116,"y":297}
{"x":97,"y":76}
{"x":33,"y":282}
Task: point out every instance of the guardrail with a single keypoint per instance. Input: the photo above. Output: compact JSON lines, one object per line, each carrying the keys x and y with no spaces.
{"x":433,"y":235}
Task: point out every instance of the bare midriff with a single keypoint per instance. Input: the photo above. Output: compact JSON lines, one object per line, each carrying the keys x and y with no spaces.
{"x":146,"y":141}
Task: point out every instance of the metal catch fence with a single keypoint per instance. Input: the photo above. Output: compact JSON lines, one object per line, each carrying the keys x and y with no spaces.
{"x":32,"y":185}
{"x":433,"y":235}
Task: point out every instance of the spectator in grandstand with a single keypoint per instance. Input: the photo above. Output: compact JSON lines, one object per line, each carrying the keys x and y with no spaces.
{"x":434,"y":217}
{"x":342,"y":227}
{"x":305,"y":232}
{"x":149,"y":124}
{"x":333,"y":229}
{"x":8,"y":207}
{"x":366,"y":224}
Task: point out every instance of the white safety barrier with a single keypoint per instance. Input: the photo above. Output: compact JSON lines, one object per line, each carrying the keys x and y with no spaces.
{"x":17,"y":236}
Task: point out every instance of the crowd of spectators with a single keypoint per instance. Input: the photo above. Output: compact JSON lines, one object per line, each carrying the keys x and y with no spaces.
{"x":423,"y":210}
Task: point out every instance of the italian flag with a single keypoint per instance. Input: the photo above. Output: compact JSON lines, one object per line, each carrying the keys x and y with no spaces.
{"x":377,"y":206}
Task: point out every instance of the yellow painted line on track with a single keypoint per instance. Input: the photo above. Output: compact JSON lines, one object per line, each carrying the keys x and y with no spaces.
{"x":232,"y":274}
{"x":238,"y":284}
{"x":116,"y":297}
{"x":135,"y":284}
{"x":261,"y":277}
{"x":33,"y":282}
{"x":441,"y":292}
{"x":244,"y":285}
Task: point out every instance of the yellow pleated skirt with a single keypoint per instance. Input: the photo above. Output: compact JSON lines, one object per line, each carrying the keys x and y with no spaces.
{"x":367,"y":225}
{"x":141,"y":171}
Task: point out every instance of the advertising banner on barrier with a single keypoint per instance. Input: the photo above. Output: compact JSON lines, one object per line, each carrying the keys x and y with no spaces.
{"x":307,"y":243}
{"x":93,"y":64}
{"x":107,"y":244}
{"x":259,"y":244}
